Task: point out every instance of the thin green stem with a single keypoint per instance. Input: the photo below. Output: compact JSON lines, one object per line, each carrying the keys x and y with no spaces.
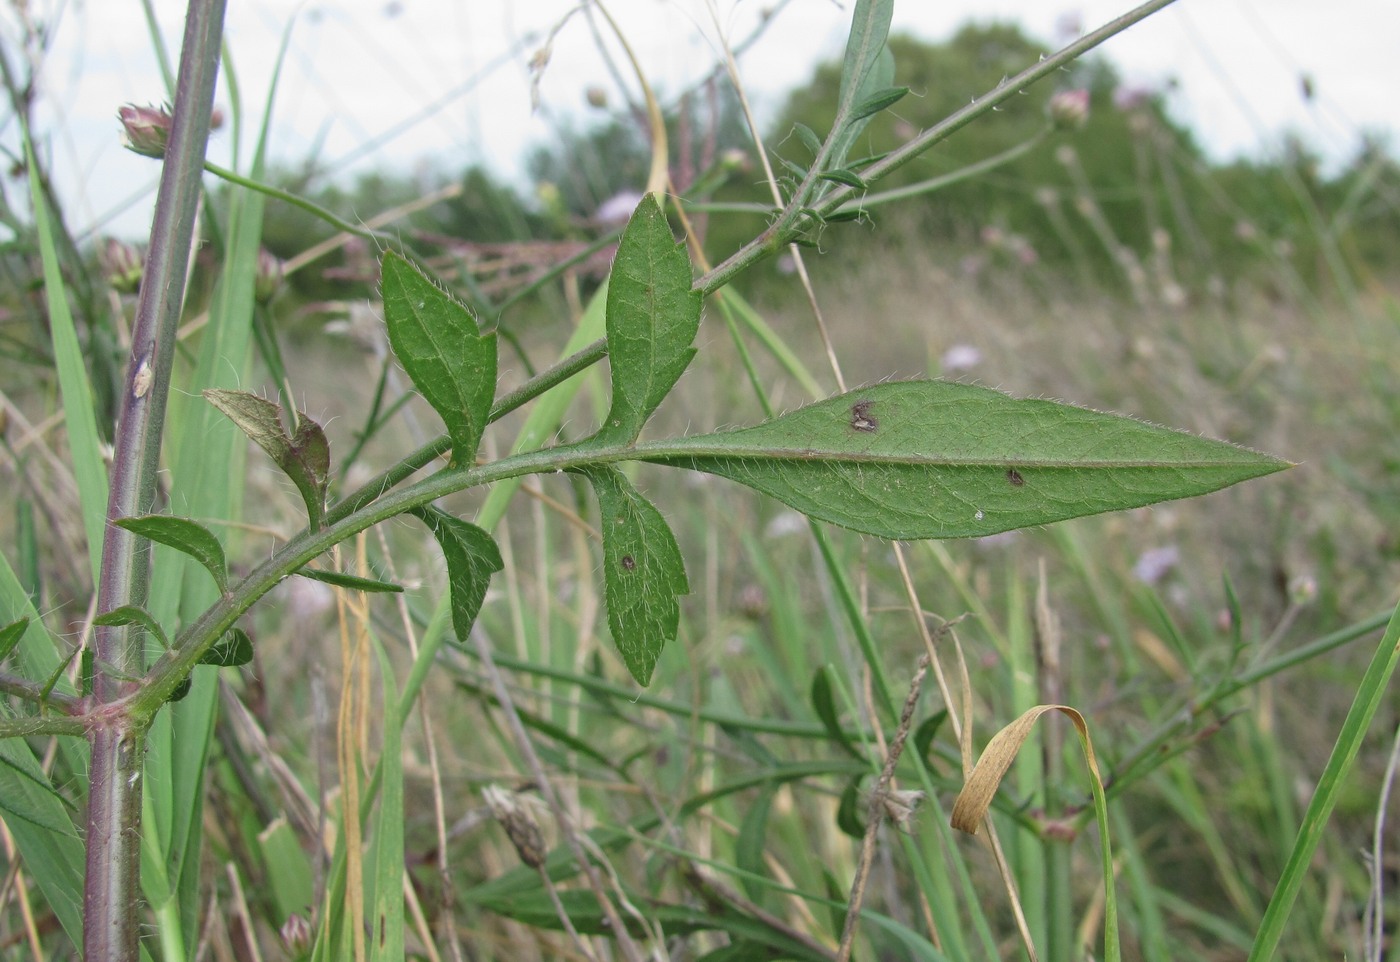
{"x":786,"y":225}
{"x":411,"y":464}
{"x":299,"y":202}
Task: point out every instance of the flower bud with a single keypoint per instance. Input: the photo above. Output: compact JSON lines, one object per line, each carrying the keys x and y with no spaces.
{"x":145,"y":130}
{"x":297,"y":935}
{"x":122,"y":264}
{"x":267,"y":280}
{"x":1069,"y":109}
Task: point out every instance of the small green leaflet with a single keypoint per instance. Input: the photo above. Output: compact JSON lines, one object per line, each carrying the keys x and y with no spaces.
{"x":132,"y":615}
{"x":340,"y":579}
{"x":472,"y":558}
{"x":652,"y":318}
{"x":233,"y":650}
{"x":10,"y":636}
{"x":643,"y":573}
{"x":186,"y":536}
{"x":305,"y":456}
{"x":437,"y":341}
{"x":933,"y":459}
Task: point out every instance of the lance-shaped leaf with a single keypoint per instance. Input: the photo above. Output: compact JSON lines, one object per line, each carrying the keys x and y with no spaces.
{"x":133,"y":615}
{"x":305,"y":456}
{"x":933,"y":459}
{"x":184,"y":535}
{"x":652,"y":318}
{"x":437,"y":341}
{"x":472,"y":558}
{"x":340,"y":579}
{"x":643,"y":574}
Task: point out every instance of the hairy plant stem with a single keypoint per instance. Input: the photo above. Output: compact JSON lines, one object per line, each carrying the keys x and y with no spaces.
{"x":117,"y":738}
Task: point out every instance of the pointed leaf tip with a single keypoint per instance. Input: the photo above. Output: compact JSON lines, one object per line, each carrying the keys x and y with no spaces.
{"x":472,"y":558}
{"x":304,"y":457}
{"x":652,"y":317}
{"x":935,"y":459}
{"x":449,"y":360}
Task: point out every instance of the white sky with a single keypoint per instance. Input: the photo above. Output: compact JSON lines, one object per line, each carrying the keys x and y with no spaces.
{"x":358,"y":72}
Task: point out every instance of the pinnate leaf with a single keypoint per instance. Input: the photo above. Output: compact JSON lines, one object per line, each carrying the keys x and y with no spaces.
{"x":643,"y":573}
{"x":933,"y":459}
{"x":437,"y":341}
{"x":472,"y":558}
{"x":305,"y":456}
{"x":652,"y":318}
{"x":185,"y":536}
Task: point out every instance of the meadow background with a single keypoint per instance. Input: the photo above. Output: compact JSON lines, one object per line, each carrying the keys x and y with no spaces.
{"x":1214,"y":644}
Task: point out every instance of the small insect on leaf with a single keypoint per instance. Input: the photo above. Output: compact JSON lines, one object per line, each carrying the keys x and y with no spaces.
{"x":862,"y":419}
{"x":629,"y":562}
{"x":1014,"y":477}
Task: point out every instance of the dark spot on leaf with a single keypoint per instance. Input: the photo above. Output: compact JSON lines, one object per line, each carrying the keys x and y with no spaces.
{"x":628,"y":562}
{"x":1014,"y":477}
{"x":862,"y":419}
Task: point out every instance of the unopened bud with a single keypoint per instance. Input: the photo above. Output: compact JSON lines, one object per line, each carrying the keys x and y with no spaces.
{"x":1069,"y":109}
{"x":596,"y":96}
{"x":519,"y":822}
{"x":900,"y":807}
{"x":122,"y":264}
{"x":267,"y":280}
{"x":145,"y":130}
{"x":1302,"y":589}
{"x":296,"y":935}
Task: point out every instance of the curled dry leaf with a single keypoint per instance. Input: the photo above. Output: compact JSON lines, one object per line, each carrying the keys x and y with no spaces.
{"x":981,"y":787}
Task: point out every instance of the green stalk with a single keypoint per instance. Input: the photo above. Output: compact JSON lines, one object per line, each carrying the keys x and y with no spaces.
{"x":112,"y":887}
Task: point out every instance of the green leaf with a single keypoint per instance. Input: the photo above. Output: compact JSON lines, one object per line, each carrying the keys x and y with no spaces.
{"x":809,"y":138}
{"x":933,"y":459}
{"x":878,"y":101}
{"x":870,"y":27}
{"x":305,"y":457}
{"x":643,"y":573}
{"x":52,"y":848}
{"x":798,"y":172}
{"x":652,"y":318}
{"x":437,"y":341}
{"x":844,"y":215}
{"x":10,"y":636}
{"x":849,"y":817}
{"x":848,"y":177}
{"x":472,"y":558}
{"x":353,"y":582}
{"x":186,"y":536}
{"x":925,"y":733}
{"x":132,"y":615}
{"x":866,"y":72}
{"x":233,"y":650}
{"x":753,"y":842}
{"x":824,"y":703}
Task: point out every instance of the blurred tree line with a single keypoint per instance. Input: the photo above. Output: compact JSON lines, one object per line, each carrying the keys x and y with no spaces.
{"x":1124,"y":200}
